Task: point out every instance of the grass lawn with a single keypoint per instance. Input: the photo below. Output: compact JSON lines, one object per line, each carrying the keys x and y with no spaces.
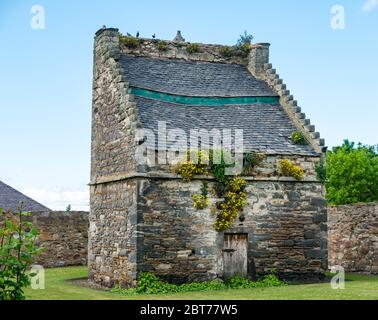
{"x":58,"y":287}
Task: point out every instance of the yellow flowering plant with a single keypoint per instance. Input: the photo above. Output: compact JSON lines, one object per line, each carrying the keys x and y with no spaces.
{"x":288,"y":169}
{"x":230,"y":208}
{"x":235,"y":199}
{"x":194,"y":163}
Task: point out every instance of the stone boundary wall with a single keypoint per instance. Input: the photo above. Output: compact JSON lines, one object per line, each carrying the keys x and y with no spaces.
{"x":64,"y":237}
{"x":353,"y":237}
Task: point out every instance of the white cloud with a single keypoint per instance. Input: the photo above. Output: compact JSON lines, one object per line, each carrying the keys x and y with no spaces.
{"x":370,"y":5}
{"x":59,"y":199}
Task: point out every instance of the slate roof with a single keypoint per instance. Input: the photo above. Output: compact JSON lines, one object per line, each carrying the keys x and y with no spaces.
{"x":10,"y":198}
{"x":192,"y":78}
{"x":266,"y":128}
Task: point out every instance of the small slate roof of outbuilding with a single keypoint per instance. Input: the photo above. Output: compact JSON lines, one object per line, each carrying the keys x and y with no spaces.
{"x":10,"y":199}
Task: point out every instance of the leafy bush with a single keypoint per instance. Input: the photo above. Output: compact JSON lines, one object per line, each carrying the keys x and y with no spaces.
{"x":151,"y":284}
{"x":129,"y":41}
{"x":219,"y":189}
{"x":17,"y":250}
{"x":193,"y":48}
{"x":237,"y":185}
{"x":352,"y":174}
{"x":148,"y":283}
{"x":252,"y":160}
{"x":270,"y":280}
{"x":201,"y":201}
{"x":238,"y":282}
{"x":203,"y":286}
{"x":162,"y":46}
{"x":243,"y":45}
{"x":227,"y":51}
{"x":220,"y":160}
{"x":194,"y":163}
{"x":289,"y":169}
{"x":233,"y":204}
{"x":241,"y":49}
{"x":298,"y":138}
{"x":235,"y":199}
{"x":245,"y":39}
{"x":321,"y":171}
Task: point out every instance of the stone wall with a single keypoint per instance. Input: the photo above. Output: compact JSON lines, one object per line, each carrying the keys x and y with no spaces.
{"x":63,"y":237}
{"x":268,"y":168}
{"x":143,"y":224}
{"x":285,"y":223}
{"x":112,"y":233}
{"x":353,"y":237}
{"x":113,"y":112}
{"x":112,"y":245}
{"x":206,"y":52}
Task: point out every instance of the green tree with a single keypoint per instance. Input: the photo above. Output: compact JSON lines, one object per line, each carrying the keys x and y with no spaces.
{"x":352,"y":174}
{"x":17,"y":250}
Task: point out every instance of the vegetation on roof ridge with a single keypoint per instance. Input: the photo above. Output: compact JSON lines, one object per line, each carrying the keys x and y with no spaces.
{"x":241,"y":49}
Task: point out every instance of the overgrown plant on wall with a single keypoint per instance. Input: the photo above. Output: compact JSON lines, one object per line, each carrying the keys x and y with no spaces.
{"x":202,"y":201}
{"x":227,"y":51}
{"x":321,"y":171}
{"x":129,"y":41}
{"x":17,"y":250}
{"x":193,"y":48}
{"x":298,"y":138}
{"x":241,"y":49}
{"x":230,"y":189}
{"x":194,"y":163}
{"x":232,"y":205}
{"x":251,"y":161}
{"x":289,"y":169}
{"x":243,"y":45}
{"x":162,"y":46}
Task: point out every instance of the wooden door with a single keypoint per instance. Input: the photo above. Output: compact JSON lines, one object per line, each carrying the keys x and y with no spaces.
{"x":235,"y":255}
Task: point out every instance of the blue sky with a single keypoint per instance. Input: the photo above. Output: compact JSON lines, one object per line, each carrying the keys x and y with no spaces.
{"x":45,"y":75}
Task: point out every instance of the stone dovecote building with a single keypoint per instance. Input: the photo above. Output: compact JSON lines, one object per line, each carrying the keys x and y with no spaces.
{"x":142,"y":217}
